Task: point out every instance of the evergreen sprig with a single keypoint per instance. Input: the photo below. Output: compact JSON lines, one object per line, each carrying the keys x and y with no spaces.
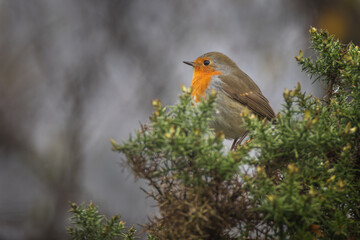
{"x":89,"y":224}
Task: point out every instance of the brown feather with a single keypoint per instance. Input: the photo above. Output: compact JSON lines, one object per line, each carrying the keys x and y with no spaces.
{"x":247,"y":93}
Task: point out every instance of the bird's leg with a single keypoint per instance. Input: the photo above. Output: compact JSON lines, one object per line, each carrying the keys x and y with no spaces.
{"x":239,"y":142}
{"x":233,"y":145}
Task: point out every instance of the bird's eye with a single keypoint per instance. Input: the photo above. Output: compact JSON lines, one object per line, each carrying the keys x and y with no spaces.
{"x":206,"y":62}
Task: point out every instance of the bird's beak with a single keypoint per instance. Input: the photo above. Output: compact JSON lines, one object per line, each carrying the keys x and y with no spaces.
{"x":189,"y":63}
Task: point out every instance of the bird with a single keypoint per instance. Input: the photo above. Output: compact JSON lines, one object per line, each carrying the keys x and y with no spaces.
{"x":235,"y":91}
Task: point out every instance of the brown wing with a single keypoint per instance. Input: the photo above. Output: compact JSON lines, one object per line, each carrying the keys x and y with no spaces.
{"x":248,"y":93}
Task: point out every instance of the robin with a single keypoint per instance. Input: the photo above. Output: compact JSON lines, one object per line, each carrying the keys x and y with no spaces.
{"x":235,"y":92}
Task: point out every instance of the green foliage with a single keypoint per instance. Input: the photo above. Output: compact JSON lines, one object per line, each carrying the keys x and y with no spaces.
{"x":307,"y":181}
{"x":179,"y":144}
{"x":298,"y":177}
{"x":89,"y":224}
{"x":190,"y":174}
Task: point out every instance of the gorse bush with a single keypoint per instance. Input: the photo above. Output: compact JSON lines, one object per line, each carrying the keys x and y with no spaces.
{"x":190,"y":175}
{"x":302,"y":180}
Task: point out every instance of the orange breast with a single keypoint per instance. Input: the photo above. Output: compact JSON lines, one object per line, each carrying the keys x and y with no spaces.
{"x":201,"y":81}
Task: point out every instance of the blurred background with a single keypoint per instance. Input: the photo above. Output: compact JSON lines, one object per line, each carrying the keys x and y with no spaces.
{"x":74,"y":74}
